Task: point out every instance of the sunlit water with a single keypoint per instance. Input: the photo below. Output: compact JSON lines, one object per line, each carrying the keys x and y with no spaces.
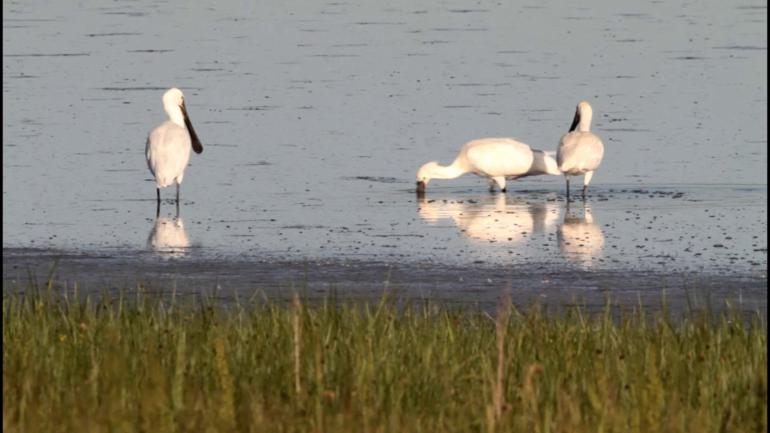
{"x":315,"y":117}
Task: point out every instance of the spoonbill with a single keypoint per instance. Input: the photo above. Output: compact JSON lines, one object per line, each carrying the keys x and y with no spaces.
{"x":581,"y":151}
{"x":494,"y":158}
{"x":168,"y":145}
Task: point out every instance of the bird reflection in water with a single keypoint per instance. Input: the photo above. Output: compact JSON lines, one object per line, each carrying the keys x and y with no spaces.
{"x":168,"y":237}
{"x":580,"y":239}
{"x":491,"y":218}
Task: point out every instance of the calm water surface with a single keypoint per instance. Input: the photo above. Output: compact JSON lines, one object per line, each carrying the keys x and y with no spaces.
{"x":316,"y":115}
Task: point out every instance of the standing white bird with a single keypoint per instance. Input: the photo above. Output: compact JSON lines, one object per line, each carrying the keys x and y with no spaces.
{"x":168,"y":145}
{"x":581,"y":151}
{"x":494,"y":158}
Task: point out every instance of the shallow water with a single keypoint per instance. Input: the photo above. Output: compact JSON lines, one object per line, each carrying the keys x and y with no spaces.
{"x":315,"y":116}
{"x":706,"y":229}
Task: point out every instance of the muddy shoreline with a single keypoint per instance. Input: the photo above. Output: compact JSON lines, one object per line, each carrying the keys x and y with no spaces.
{"x":478,"y":285}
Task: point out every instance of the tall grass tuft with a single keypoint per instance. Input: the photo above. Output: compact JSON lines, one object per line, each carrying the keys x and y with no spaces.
{"x":135,"y":363}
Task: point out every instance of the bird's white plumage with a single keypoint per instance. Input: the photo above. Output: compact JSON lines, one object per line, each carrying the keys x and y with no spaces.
{"x":169,"y":144}
{"x":494,"y":158}
{"x":580,"y":151}
{"x":168,"y":153}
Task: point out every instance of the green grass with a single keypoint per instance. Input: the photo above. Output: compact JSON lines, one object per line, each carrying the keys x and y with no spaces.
{"x":144,"y":364}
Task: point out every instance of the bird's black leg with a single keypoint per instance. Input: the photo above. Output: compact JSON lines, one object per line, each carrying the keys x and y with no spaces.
{"x":157,"y":208}
{"x":585,"y":189}
{"x":567,"y":189}
{"x":177,"y":199}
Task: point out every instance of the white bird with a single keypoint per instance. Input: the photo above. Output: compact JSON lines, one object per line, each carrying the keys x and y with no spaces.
{"x":581,"y":151}
{"x":168,"y":145}
{"x":494,"y":158}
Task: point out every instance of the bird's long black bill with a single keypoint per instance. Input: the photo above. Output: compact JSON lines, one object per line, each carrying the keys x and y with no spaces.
{"x":575,"y":121}
{"x":196,"y":144}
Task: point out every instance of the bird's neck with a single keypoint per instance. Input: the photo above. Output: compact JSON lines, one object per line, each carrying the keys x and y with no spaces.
{"x":543,"y":163}
{"x":585,"y":123}
{"x":455,"y":169}
{"x":175,"y":115}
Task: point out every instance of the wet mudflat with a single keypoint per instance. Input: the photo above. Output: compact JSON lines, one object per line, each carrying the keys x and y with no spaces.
{"x":471,"y":285}
{"x":315,"y":117}
{"x":465,"y":248}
